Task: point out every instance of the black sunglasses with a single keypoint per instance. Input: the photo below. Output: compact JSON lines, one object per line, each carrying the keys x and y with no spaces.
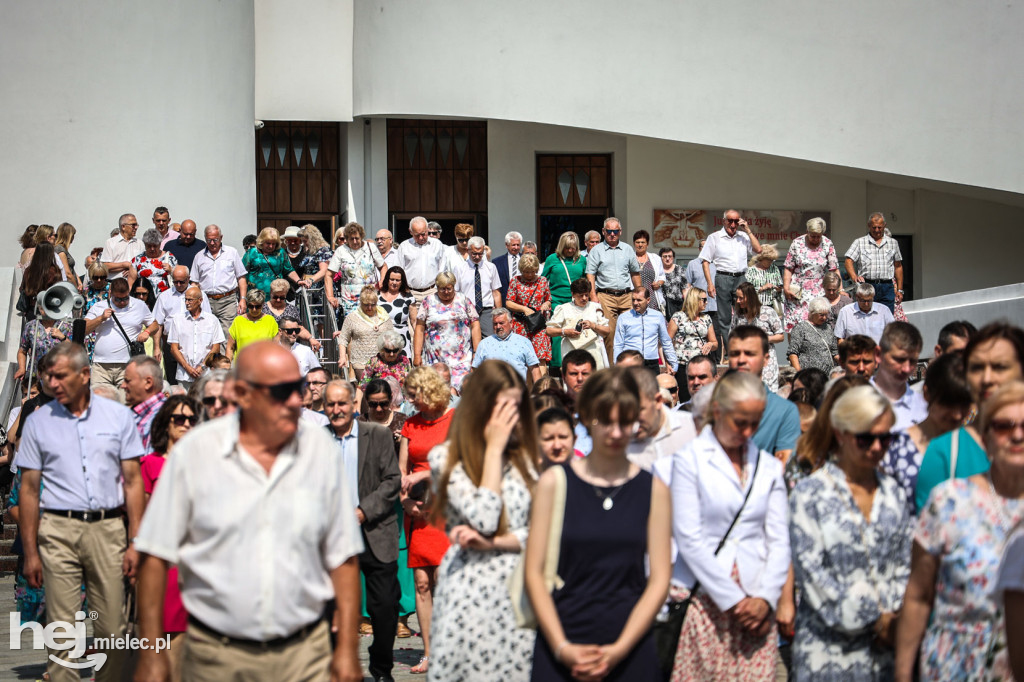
{"x":462,"y":240}
{"x":673,"y":389}
{"x":732,"y":220}
{"x":293,"y":330}
{"x":99,"y":278}
{"x":282,"y":391}
{"x":378,"y":405}
{"x":866,"y":440}
{"x":211,"y":400}
{"x":182,"y":419}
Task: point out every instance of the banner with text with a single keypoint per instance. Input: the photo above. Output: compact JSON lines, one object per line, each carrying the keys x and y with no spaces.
{"x":681,"y":229}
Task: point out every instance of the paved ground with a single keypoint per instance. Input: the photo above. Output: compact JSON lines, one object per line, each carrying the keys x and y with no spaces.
{"x":27,"y":664}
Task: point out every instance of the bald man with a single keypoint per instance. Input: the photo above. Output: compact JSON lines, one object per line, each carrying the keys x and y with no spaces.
{"x":186,"y":246}
{"x":288,"y":490}
{"x":169,"y":303}
{"x":192,"y":336}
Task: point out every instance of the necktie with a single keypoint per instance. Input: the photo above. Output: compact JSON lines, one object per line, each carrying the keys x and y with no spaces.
{"x":515,"y":267}
{"x":477,"y":291}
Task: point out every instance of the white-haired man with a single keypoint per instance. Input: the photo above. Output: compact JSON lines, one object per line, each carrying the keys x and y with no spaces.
{"x":121,"y":248}
{"x":477,"y":279}
{"x":728,"y":250}
{"x":590,"y":240}
{"x":172,"y":302}
{"x":863,"y":316}
{"x":385,"y":243}
{"x":422,"y":258}
{"x":219,"y":272}
{"x":508,"y":263}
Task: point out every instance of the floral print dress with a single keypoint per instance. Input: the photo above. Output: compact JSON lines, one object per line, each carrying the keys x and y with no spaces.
{"x":310,"y":266}
{"x":156,"y":270}
{"x":448,"y":335}
{"x":903,"y":463}
{"x":808,"y":267}
{"x":533,"y":295}
{"x":965,"y":524}
{"x":849,"y":570}
{"x":378,"y":369}
{"x":473,"y":631}
{"x":768,"y":321}
{"x":92,"y":297}
{"x":356,"y":269}
{"x":690,"y":335}
{"x":35,"y":332}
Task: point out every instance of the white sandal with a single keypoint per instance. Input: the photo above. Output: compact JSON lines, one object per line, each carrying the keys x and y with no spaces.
{"x":423,"y":659}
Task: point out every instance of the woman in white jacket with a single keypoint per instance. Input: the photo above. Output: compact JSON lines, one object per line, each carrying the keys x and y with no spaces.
{"x":729,"y":631}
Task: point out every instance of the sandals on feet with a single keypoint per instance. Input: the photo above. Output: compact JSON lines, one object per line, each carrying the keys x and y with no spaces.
{"x":421,"y":667}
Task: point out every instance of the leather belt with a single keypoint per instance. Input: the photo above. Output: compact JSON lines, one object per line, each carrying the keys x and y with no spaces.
{"x":87,"y":516}
{"x":614,"y":292}
{"x":217,"y":297}
{"x":878,"y":281}
{"x":422,"y":290}
{"x":731,"y":274}
{"x":299,"y":634}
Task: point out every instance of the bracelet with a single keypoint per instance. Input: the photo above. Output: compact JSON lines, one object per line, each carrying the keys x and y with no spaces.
{"x":558,"y":651}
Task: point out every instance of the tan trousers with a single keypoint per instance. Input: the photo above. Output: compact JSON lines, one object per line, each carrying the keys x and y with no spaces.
{"x":612,"y":307}
{"x":420,"y":295}
{"x":207,"y":659}
{"x":226,"y":310}
{"x":71,"y":551}
{"x":108,"y":374}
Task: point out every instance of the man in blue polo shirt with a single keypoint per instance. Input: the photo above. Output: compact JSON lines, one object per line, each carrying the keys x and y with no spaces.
{"x":780,"y":423}
{"x":614,"y":272}
{"x":514,"y":349}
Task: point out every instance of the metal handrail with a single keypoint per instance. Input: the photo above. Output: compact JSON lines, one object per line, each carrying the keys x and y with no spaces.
{"x":9,"y":394}
{"x":329,"y":346}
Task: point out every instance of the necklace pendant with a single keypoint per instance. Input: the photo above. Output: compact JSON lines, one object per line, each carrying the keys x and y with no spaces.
{"x":607,"y":504}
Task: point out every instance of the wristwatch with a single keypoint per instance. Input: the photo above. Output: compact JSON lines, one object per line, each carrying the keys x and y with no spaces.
{"x":900,"y":290}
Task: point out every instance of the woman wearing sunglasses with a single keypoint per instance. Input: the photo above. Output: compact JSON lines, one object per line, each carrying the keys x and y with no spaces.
{"x":389,"y":360}
{"x":692,"y":333}
{"x":255,"y":325}
{"x":172,"y":421}
{"x":850,"y":533}
{"x":951,"y":609}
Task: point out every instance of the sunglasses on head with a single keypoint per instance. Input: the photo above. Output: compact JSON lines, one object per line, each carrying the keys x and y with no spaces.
{"x":182,"y":419}
{"x":282,"y":391}
{"x":866,"y":440}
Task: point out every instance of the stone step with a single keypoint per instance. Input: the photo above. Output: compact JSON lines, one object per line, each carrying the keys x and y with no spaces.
{"x":8,"y":563}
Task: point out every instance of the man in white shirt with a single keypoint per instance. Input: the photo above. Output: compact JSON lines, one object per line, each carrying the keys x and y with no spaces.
{"x":422,"y":258}
{"x":111,"y":353}
{"x":899,"y":350}
{"x":660,"y":431}
{"x":728,"y":249}
{"x":192,"y":336}
{"x":288,"y":334}
{"x":120,"y":249}
{"x":288,"y":492}
{"x":863,"y":316}
{"x":162,"y":223}
{"x":219,"y":272}
{"x":477,"y":280}
{"x":385,"y":244}
{"x":590,"y":240}
{"x":172,"y":302}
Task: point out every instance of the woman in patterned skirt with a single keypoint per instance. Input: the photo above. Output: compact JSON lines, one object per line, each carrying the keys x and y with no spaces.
{"x":764,"y":274}
{"x":484,"y":479}
{"x":809,"y":258}
{"x":652,"y":276}
{"x":529,"y":293}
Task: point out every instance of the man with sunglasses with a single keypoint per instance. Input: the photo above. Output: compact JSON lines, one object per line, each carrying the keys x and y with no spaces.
{"x":385,"y":244}
{"x":614,"y":272}
{"x":170,"y":303}
{"x":288,"y":334}
{"x":192,"y":336}
{"x":254,"y":613}
{"x":374,"y":480}
{"x":422,"y":258}
{"x":728,"y":250}
{"x":219,"y":272}
{"x":780,"y":423}
{"x":111,"y":354}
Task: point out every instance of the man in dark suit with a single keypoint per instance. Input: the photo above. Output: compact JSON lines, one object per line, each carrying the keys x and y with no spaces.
{"x":508,"y":264}
{"x":372,"y":470}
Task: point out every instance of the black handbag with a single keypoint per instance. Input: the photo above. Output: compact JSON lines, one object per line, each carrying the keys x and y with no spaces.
{"x":134,"y":347}
{"x":533,"y":323}
{"x":667,"y":632}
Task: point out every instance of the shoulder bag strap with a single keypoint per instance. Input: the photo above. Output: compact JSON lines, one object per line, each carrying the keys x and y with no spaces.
{"x":118,"y":323}
{"x":551,"y":557}
{"x":566,"y":268}
{"x":721,"y":544}
{"x":954,"y":450}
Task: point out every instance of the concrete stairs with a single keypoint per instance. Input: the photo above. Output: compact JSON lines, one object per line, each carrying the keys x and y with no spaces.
{"x":8,"y":561}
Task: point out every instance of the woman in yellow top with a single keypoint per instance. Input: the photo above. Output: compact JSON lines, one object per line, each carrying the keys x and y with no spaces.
{"x":253,"y":326}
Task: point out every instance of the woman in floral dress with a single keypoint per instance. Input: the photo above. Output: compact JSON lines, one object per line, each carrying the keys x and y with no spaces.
{"x":154,"y":263}
{"x":313,"y":266}
{"x":389,"y":360}
{"x":447,"y":330}
{"x":692,"y":332}
{"x":850,"y":535}
{"x":355,"y":264}
{"x":37,"y":338}
{"x":951,"y":609}
{"x":529,"y":293}
{"x":748,"y":310}
{"x":809,"y":258}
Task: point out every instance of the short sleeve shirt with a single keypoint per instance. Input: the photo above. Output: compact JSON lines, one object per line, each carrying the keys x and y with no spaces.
{"x":244,"y":331}
{"x":111,"y":345}
{"x":612,"y":266}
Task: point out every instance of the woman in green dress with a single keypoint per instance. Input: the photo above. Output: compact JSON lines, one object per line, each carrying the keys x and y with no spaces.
{"x":561,"y":269}
{"x":268,"y":261}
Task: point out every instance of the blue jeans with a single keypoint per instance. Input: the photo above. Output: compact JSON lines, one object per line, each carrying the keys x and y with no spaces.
{"x":885,"y":293}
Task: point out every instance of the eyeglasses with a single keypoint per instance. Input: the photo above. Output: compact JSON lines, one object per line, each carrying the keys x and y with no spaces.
{"x":130,"y":225}
{"x":121,"y":299}
{"x":141,"y":294}
{"x":703,"y":299}
{"x":390,"y":350}
{"x":182,"y":419}
{"x":673,"y":389}
{"x":612,"y":231}
{"x":254,"y":306}
{"x":282,"y":391}
{"x":275,"y":297}
{"x":462,"y":240}
{"x":99,"y":278}
{"x":1004,"y":427}
{"x":211,"y":400}
{"x":732,"y":221}
{"x":866,"y":440}
{"x":293,"y":330}
{"x":213,"y":240}
{"x":177,"y":282}
{"x":378,"y":405}
{"x":317,"y":383}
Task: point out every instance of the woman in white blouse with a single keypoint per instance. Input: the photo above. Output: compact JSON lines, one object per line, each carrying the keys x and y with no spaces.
{"x":729,"y":631}
{"x":581,"y":324}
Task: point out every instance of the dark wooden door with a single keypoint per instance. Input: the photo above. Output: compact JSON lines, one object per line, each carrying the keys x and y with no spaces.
{"x":574,"y":193}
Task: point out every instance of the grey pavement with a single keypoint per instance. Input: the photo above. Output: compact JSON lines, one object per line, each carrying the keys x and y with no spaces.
{"x":28,"y":664}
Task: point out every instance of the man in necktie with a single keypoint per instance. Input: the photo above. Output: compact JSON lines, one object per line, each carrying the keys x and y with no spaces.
{"x":477,"y":279}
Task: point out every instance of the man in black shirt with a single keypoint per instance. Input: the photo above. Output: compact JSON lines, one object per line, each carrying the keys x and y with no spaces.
{"x":186,"y":246}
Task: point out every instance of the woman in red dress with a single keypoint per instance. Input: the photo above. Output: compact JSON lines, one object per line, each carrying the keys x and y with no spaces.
{"x":529,"y":293}
{"x":172,"y":421}
{"x":423,"y":431}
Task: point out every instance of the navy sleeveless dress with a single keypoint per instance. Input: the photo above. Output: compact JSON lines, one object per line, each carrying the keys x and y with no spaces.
{"x":602,"y":564}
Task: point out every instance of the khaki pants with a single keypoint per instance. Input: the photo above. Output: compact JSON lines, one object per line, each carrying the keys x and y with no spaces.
{"x":420,"y":295}
{"x":108,"y":374}
{"x":70,"y":550}
{"x":612,"y":307}
{"x":208,"y":659}
{"x":226,"y":310}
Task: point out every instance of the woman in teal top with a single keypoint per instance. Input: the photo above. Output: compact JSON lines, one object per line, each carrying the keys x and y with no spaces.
{"x":992,"y":357}
{"x":561,"y":269}
{"x":268,"y":261}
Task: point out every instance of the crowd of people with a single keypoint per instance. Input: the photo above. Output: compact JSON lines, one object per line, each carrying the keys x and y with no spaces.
{"x":586,"y":467}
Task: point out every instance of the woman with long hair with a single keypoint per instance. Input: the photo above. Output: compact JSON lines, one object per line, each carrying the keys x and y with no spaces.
{"x":596,"y":622}
{"x":850,"y":531}
{"x":42,"y":273}
{"x":749,"y":311}
{"x":65,"y":235}
{"x":484,"y":477}
{"x":562,"y":268}
{"x":399,"y":303}
{"x":692,"y":333}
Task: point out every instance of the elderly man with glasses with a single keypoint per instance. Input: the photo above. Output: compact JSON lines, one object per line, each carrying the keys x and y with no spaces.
{"x":170,"y":303}
{"x":121,"y":248}
{"x":614,"y":272}
{"x":728,"y":250}
{"x":385,"y":243}
{"x":219,"y":272}
{"x":193,"y":335}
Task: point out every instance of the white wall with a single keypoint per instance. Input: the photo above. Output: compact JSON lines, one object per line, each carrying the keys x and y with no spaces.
{"x":919,"y":89}
{"x":111,"y":108}
{"x":303,"y":60}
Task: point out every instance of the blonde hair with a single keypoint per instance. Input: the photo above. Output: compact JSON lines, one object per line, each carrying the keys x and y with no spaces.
{"x":858,"y":408}
{"x":733,"y":388}
{"x":567,"y":239}
{"x":280,"y":285}
{"x":65,"y":235}
{"x":529,"y":263}
{"x":1010,"y":393}
{"x":313,"y":237}
{"x":268,"y":234}
{"x":367,"y":295}
{"x":464,"y":230}
{"x":445,"y":279}
{"x":691,"y":304}
{"x":430,"y":388}
{"x":43,"y":233}
{"x":769,"y":252}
